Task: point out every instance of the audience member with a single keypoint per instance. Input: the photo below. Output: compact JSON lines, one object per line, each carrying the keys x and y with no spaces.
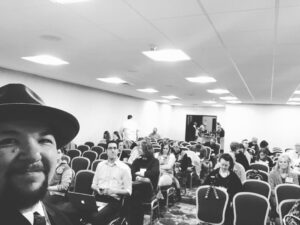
{"x":116,"y":137}
{"x":295,"y":156}
{"x":129,"y":131}
{"x":30,"y":134}
{"x":154,"y":135}
{"x":263,"y":158}
{"x":144,"y":169}
{"x":123,"y":156}
{"x":238,"y":149}
{"x":112,"y":180}
{"x":226,"y":178}
{"x":281,"y":173}
{"x":253,"y":145}
{"x":61,"y":181}
{"x":220,"y":134}
{"x":213,"y":145}
{"x":248,"y":152}
{"x":265,"y":145}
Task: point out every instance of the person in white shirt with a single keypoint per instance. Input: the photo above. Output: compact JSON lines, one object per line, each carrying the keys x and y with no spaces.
{"x":129,"y":131}
{"x":112,"y":180}
{"x":295,"y":157}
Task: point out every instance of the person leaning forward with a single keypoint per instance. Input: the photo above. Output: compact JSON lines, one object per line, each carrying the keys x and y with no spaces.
{"x":30,"y":134}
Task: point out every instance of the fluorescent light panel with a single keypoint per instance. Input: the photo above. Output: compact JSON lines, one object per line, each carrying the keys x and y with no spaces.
{"x":162,"y":100}
{"x":201,"y":79}
{"x":112,"y":80}
{"x":170,"y":97}
{"x":209,"y":102}
{"x":147,"y":90}
{"x":176,"y":104}
{"x":234,"y":101}
{"x":68,"y":1}
{"x":167,"y":55}
{"x":293,"y":103}
{"x":218,"y":105}
{"x":45,"y":60}
{"x":297,"y":92}
{"x":294,"y":99}
{"x":228,"y":98}
{"x":218,"y":91}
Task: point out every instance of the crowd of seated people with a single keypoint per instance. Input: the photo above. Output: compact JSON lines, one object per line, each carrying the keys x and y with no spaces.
{"x":176,"y":160}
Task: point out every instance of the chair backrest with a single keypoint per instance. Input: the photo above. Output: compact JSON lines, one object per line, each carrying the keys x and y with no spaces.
{"x":103,"y":145}
{"x":156,"y":149}
{"x":258,"y":187}
{"x":127,"y":151}
{"x":80,"y":163}
{"x":89,"y":143}
{"x":97,"y":149}
{"x":209,"y":208}
{"x":103,"y":156}
{"x":257,"y":174}
{"x":72,"y":153}
{"x":250,"y":208}
{"x":91,"y":155}
{"x":83,"y":182}
{"x":95,"y":164}
{"x":259,"y":166}
{"x":83,"y":148}
{"x":285,"y":206}
{"x":286,"y":191}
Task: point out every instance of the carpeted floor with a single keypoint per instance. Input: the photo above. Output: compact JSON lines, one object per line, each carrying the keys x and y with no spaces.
{"x":181,"y":213}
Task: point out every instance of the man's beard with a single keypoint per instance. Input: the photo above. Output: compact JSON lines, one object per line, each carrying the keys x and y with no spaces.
{"x":20,"y":199}
{"x":16,"y":196}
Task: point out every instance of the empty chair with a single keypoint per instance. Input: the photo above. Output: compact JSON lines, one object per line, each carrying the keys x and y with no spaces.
{"x":83,"y":148}
{"x":89,"y":143}
{"x":72,"y":153}
{"x":97,"y":149}
{"x":250,"y":209}
{"x":83,"y":182}
{"x":103,"y":156}
{"x":80,"y":163}
{"x":91,"y":155}
{"x":259,"y":166}
{"x":284,"y":207}
{"x":257,"y":174}
{"x":95,"y":164}
{"x":211,"y":208}
{"x":184,"y":144}
{"x":286,"y":191}
{"x":258,"y":187}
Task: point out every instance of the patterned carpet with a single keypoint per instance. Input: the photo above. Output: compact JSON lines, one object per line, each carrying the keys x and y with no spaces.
{"x":181,"y":213}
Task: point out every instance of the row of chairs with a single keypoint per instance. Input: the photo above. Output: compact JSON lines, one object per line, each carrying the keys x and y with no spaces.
{"x":250,"y":206}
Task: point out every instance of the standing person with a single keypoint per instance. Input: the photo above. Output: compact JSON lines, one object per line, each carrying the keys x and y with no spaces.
{"x":253,"y":145}
{"x":30,"y":134}
{"x":129,"y":131}
{"x":112,"y":179}
{"x":220,"y":135}
{"x":154,"y":135}
{"x":295,"y":157}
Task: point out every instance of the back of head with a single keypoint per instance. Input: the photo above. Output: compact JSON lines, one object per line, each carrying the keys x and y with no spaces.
{"x":263,"y":144}
{"x":234,"y":146}
{"x":129,"y":117}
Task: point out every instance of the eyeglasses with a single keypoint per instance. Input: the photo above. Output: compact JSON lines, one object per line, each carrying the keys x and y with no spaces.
{"x":112,"y":148}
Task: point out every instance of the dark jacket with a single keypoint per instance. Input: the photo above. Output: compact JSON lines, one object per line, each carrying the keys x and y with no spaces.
{"x":152,"y":169}
{"x":10,"y":216}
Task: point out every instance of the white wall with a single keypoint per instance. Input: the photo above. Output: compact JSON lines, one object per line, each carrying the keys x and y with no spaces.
{"x":279,"y":125}
{"x":98,"y":111}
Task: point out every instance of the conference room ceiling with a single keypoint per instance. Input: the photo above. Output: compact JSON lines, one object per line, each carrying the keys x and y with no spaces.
{"x":251,"y":47}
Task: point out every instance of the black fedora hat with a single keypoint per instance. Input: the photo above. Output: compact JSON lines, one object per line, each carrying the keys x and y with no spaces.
{"x":19,"y":102}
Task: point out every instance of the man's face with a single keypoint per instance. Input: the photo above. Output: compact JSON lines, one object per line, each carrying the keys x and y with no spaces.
{"x":246,"y":144}
{"x":121,"y":146}
{"x":28,"y":157}
{"x":154,"y":130}
{"x":112,"y":151}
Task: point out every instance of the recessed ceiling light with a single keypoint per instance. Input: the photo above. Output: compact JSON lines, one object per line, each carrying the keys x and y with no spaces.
{"x":46,"y":60}
{"x":112,"y":80}
{"x":294,"y":99}
{"x":162,"y":100}
{"x":147,"y":90}
{"x":297,"y":92}
{"x":167,"y":55}
{"x":176,"y":104}
{"x":218,"y":91}
{"x":293,"y":103}
{"x":228,"y":98}
{"x":201,"y":79}
{"x":218,"y":105}
{"x":170,"y":97}
{"x":234,"y":101}
{"x":68,"y":1}
{"x":209,"y":102}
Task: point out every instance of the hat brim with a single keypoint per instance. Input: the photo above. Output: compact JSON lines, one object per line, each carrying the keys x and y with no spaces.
{"x":63,"y":124}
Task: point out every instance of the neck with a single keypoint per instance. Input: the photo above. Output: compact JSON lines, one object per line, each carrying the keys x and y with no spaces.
{"x":112,"y":160}
{"x":283,"y":170}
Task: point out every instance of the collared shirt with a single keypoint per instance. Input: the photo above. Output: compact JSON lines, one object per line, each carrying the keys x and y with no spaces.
{"x":113,"y":176}
{"x":62,"y":177}
{"x":130,"y":130}
{"x":295,"y":162}
{"x":28,"y":213}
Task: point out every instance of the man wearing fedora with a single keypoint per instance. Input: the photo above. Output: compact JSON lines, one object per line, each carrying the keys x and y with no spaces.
{"x":30,"y":134}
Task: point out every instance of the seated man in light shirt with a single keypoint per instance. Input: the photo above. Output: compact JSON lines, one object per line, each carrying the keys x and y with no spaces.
{"x":295,"y":157}
{"x":112,"y":179}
